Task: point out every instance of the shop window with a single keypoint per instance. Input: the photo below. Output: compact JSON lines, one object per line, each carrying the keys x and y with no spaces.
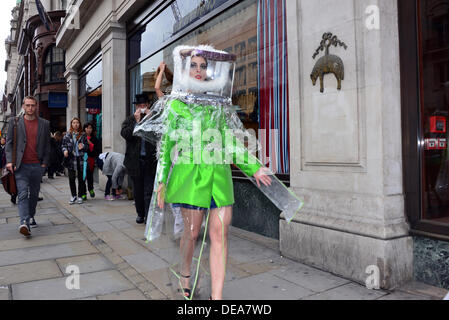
{"x":424,"y":43}
{"x":244,"y":29}
{"x":54,"y":65}
{"x":434,"y":47}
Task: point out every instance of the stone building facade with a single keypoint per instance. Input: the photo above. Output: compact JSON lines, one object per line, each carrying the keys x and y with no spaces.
{"x":34,"y":65}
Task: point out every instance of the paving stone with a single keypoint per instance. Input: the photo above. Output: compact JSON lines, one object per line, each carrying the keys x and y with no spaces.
{"x":120,"y":224}
{"x":4,"y":293}
{"x":157,"y":295}
{"x":146,"y":261}
{"x":37,"y":241}
{"x":59,"y":220}
{"x":123,"y":295}
{"x":351,"y":291}
{"x":308,"y":277}
{"x":12,"y":231}
{"x":9,"y":214}
{"x":397,"y":295}
{"x":415,"y":287}
{"x":91,"y":284}
{"x":100,"y":226}
{"x":87,"y":264}
{"x":257,"y":267}
{"x":161,"y":279}
{"x":2,"y":220}
{"x":246,"y":251}
{"x":29,"y":272}
{"x":25,"y":255}
{"x":126,"y":247}
{"x":264,"y":287}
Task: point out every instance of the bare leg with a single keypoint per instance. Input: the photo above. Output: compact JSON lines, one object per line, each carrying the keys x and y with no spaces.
{"x":192,"y":226}
{"x":219,"y":222}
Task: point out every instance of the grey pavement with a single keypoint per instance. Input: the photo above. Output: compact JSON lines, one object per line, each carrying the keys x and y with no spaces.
{"x":103,"y":240}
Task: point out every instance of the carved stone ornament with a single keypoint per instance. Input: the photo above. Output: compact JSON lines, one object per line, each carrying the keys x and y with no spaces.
{"x":329,"y":63}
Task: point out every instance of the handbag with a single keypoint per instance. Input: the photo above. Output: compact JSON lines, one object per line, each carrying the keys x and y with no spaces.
{"x":8,"y":177}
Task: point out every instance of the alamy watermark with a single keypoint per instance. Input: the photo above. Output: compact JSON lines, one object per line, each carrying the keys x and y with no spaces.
{"x":372,"y":21}
{"x":73,"y":280}
{"x":372,"y":282}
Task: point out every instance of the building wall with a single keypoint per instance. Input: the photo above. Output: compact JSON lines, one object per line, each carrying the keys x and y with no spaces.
{"x":346,"y":145}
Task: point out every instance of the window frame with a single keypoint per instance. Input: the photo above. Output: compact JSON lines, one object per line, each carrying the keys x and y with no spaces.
{"x":52,"y":64}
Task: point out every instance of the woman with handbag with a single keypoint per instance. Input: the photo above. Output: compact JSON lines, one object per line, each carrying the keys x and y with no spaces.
{"x":74,"y":145}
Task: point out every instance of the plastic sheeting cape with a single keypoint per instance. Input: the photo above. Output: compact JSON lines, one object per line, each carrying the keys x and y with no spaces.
{"x":167,"y":121}
{"x":199,"y":135}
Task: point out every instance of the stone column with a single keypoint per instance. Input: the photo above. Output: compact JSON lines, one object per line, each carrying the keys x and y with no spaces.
{"x":346,"y":144}
{"x":113,"y":47}
{"x":72,"y":95}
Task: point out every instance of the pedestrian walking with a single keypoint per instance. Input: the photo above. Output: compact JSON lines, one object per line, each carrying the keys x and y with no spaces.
{"x":3,"y":163}
{"x":111,"y":164}
{"x":74,"y":145}
{"x":56,"y":155}
{"x":140,"y":158}
{"x":189,"y":179}
{"x":92,"y":154}
{"x":32,"y":158}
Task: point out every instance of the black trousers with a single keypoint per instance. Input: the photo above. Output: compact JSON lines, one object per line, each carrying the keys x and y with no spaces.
{"x":73,"y":175}
{"x":143,"y":187}
{"x":89,"y":179}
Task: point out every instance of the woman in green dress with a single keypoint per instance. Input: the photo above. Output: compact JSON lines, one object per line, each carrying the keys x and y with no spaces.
{"x":196,"y":182}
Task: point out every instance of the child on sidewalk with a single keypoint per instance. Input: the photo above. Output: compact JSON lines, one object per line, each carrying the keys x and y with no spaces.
{"x":111,"y":165}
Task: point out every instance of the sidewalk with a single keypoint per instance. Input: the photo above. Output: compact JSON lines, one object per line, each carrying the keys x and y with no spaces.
{"x":102,"y":238}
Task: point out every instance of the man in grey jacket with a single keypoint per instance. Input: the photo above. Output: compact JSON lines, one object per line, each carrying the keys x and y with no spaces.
{"x":32,"y":157}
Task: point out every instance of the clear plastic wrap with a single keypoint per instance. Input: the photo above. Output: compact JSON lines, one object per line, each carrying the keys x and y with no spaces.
{"x":199,"y":135}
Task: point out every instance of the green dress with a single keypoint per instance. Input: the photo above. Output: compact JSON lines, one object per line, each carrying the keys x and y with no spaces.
{"x":194,"y":178}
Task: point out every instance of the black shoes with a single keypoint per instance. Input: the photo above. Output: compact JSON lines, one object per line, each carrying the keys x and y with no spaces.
{"x":140,"y":220}
{"x":40,"y":199}
{"x":33,"y":223}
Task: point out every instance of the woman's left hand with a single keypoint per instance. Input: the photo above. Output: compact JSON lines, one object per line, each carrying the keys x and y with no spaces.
{"x":80,"y":146}
{"x":262,"y":176}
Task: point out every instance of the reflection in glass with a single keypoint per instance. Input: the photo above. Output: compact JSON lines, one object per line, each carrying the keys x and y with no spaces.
{"x":434,"y":46}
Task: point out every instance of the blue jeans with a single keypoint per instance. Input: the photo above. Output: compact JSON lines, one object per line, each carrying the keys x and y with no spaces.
{"x":28,"y":180}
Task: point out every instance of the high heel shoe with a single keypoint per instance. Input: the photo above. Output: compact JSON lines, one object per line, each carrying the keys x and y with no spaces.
{"x":187,"y":292}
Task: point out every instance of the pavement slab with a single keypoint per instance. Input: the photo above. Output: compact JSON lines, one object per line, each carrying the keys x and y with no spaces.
{"x":91,"y":284}
{"x":87,"y":264}
{"x":350,"y":291}
{"x":25,"y":255}
{"x":124,"y":295}
{"x":310,"y":278}
{"x":29,"y":272}
{"x":264,"y":287}
{"x":4,"y":293}
{"x":145,"y":261}
{"x":11,"y":231}
{"x":38,"y":241}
